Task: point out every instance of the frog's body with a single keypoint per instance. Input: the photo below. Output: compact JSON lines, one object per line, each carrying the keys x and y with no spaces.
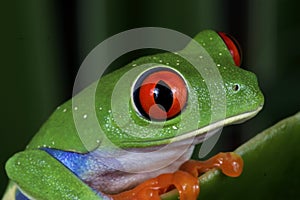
{"x":93,"y":168}
{"x":149,"y":147}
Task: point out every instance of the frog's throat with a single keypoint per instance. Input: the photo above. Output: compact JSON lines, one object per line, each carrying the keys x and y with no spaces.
{"x":207,"y":131}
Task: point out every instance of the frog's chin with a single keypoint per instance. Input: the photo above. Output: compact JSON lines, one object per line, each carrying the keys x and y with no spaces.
{"x":206,"y":132}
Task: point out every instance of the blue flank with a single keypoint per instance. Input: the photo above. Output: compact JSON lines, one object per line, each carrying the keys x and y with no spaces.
{"x":89,"y":166}
{"x":20,"y":195}
{"x":75,"y":162}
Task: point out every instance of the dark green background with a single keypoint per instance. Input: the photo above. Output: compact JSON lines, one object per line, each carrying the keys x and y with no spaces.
{"x":43,"y":43}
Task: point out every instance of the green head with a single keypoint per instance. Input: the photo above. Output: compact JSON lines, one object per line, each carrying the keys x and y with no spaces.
{"x":157,"y":100}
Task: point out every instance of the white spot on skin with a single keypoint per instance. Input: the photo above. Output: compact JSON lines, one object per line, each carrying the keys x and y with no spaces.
{"x":218,"y":65}
{"x":167,"y":63}
{"x":200,"y":57}
{"x":175,"y":53}
{"x":58,"y":108}
{"x":160,"y":61}
{"x":177,"y":64}
{"x":210,"y":38}
{"x":18,"y":163}
{"x":84,"y":116}
{"x":203,"y":44}
{"x":133,"y":65}
{"x":100,"y":108}
{"x":75,"y":108}
{"x":220,"y":54}
{"x":53,"y":142}
{"x":65,"y":110}
{"x":44,"y":145}
{"x":154,"y":58}
{"x":98,"y":141}
{"x":174,"y":127}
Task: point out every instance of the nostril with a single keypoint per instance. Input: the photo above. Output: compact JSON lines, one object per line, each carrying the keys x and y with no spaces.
{"x":236,"y":87}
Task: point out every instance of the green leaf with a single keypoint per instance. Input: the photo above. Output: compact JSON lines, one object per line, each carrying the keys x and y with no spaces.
{"x":271,"y":167}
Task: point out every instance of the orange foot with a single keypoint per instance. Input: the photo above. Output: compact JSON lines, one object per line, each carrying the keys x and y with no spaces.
{"x":185,"y":179}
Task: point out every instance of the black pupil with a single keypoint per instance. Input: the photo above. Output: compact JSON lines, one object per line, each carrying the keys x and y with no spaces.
{"x":163,"y":95}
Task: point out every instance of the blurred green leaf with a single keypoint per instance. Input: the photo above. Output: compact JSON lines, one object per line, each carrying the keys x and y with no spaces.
{"x":271,"y":167}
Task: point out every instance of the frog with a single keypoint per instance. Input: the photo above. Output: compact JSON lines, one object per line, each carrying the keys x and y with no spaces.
{"x":151,"y":114}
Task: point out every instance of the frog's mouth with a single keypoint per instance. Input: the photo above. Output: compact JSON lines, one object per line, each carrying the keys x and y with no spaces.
{"x":199,"y":135}
{"x":208,"y":131}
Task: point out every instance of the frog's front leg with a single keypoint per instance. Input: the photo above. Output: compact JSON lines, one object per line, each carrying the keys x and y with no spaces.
{"x":185,"y":180}
{"x":231,"y":164}
{"x":185,"y":183}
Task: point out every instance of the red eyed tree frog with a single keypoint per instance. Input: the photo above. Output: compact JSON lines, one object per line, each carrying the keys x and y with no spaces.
{"x":154,"y":141}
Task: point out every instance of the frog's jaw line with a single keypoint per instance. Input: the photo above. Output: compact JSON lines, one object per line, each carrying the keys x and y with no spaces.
{"x":208,"y":131}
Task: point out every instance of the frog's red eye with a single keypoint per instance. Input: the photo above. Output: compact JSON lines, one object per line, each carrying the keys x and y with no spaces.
{"x":160,"y":94}
{"x":233,"y":47}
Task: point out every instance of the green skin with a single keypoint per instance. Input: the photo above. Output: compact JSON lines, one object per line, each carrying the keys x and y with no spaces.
{"x":41,"y":176}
